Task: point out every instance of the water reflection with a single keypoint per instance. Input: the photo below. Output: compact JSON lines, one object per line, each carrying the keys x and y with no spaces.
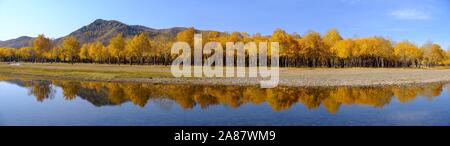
{"x":189,"y":96}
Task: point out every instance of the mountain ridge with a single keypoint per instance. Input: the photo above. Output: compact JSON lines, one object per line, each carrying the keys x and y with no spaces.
{"x":17,"y":42}
{"x":100,"y":30}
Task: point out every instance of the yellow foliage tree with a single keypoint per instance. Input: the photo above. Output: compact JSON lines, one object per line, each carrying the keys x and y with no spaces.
{"x":187,"y":36}
{"x":137,"y":46}
{"x":24,"y":53}
{"x":41,"y":46}
{"x":406,"y":51}
{"x":84,"y":52}
{"x":95,"y":51}
{"x":116,"y":47}
{"x":331,"y":37}
{"x":344,"y":50}
{"x":313,"y":49}
{"x":71,"y":48}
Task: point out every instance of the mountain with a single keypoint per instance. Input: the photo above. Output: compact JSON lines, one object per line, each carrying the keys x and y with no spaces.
{"x":16,"y":43}
{"x":104,"y":30}
{"x":101,"y":30}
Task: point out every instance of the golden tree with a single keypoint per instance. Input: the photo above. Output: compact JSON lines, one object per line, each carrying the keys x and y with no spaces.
{"x":95,"y":51}
{"x":137,"y":46}
{"x":24,"y":53}
{"x":344,"y":50}
{"x":41,"y":46}
{"x":437,"y":54}
{"x":7,"y":54}
{"x":447,"y":62}
{"x":313,"y":48}
{"x":406,"y":52}
{"x":56,"y":53}
{"x":84,"y":52}
{"x":71,"y":48}
{"x":187,"y":36}
{"x":116,"y":47}
{"x":329,"y":40}
{"x":288,"y":45}
{"x":331,"y":37}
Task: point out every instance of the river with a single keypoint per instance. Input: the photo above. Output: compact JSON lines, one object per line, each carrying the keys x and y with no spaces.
{"x":43,"y":102}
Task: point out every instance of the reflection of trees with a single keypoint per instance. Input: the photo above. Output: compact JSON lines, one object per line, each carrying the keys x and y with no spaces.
{"x":405,"y":93}
{"x":189,"y":96}
{"x":137,"y":93}
{"x":116,"y":94}
{"x":70,"y":89}
{"x":432,"y":91}
{"x":41,"y":90}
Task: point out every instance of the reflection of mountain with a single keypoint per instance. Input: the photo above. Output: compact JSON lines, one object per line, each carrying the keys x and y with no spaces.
{"x":16,"y":82}
{"x":94,"y":97}
{"x":189,"y":96}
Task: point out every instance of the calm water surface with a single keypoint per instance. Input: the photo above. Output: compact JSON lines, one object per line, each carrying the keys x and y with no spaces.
{"x":40,"y":102}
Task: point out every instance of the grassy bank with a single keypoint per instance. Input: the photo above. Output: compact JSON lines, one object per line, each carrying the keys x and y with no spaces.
{"x":83,"y":71}
{"x":288,"y":76}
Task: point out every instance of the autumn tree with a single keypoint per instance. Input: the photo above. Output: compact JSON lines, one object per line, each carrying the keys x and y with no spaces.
{"x":116,"y":47}
{"x":137,"y":46}
{"x":71,"y":48}
{"x":288,"y":46}
{"x":332,"y":37}
{"x":448,"y":53}
{"x":42,"y":45}
{"x":447,"y":62}
{"x":25,"y":53}
{"x":95,"y":51}
{"x":344,"y":51}
{"x":372,"y":51}
{"x":313,"y":49}
{"x":406,"y":51}
{"x":160,"y":46}
{"x":105,"y":55}
{"x":437,"y":54}
{"x":56,"y":54}
{"x":384,"y":52}
{"x":7,"y":54}
{"x":432,"y":54}
{"x":426,"y":49}
{"x":187,"y":36}
{"x":329,"y":40}
{"x":84,"y":52}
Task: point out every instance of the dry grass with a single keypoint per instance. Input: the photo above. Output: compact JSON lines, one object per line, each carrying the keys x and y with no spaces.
{"x":84,"y":71}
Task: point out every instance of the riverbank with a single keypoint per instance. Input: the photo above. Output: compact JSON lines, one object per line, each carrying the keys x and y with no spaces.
{"x":304,"y":77}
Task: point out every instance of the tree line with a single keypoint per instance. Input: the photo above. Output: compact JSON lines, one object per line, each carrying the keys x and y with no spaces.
{"x":310,"y":50}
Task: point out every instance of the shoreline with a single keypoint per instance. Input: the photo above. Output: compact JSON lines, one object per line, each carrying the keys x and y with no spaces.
{"x":215,"y":82}
{"x":290,"y":77}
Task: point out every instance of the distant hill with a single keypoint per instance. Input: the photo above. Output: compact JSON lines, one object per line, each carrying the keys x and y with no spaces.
{"x":104,"y":30}
{"x":16,"y":43}
{"x":101,"y":30}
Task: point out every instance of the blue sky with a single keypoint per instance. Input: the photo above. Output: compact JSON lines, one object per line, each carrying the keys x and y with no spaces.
{"x":416,"y":20}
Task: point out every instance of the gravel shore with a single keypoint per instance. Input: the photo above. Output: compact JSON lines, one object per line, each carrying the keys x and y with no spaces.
{"x":329,"y":77}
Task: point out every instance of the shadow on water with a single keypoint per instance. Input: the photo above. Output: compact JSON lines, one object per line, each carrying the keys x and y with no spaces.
{"x":188,"y":96}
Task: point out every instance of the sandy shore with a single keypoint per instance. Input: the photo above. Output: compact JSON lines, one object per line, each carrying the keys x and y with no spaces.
{"x":288,"y":76}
